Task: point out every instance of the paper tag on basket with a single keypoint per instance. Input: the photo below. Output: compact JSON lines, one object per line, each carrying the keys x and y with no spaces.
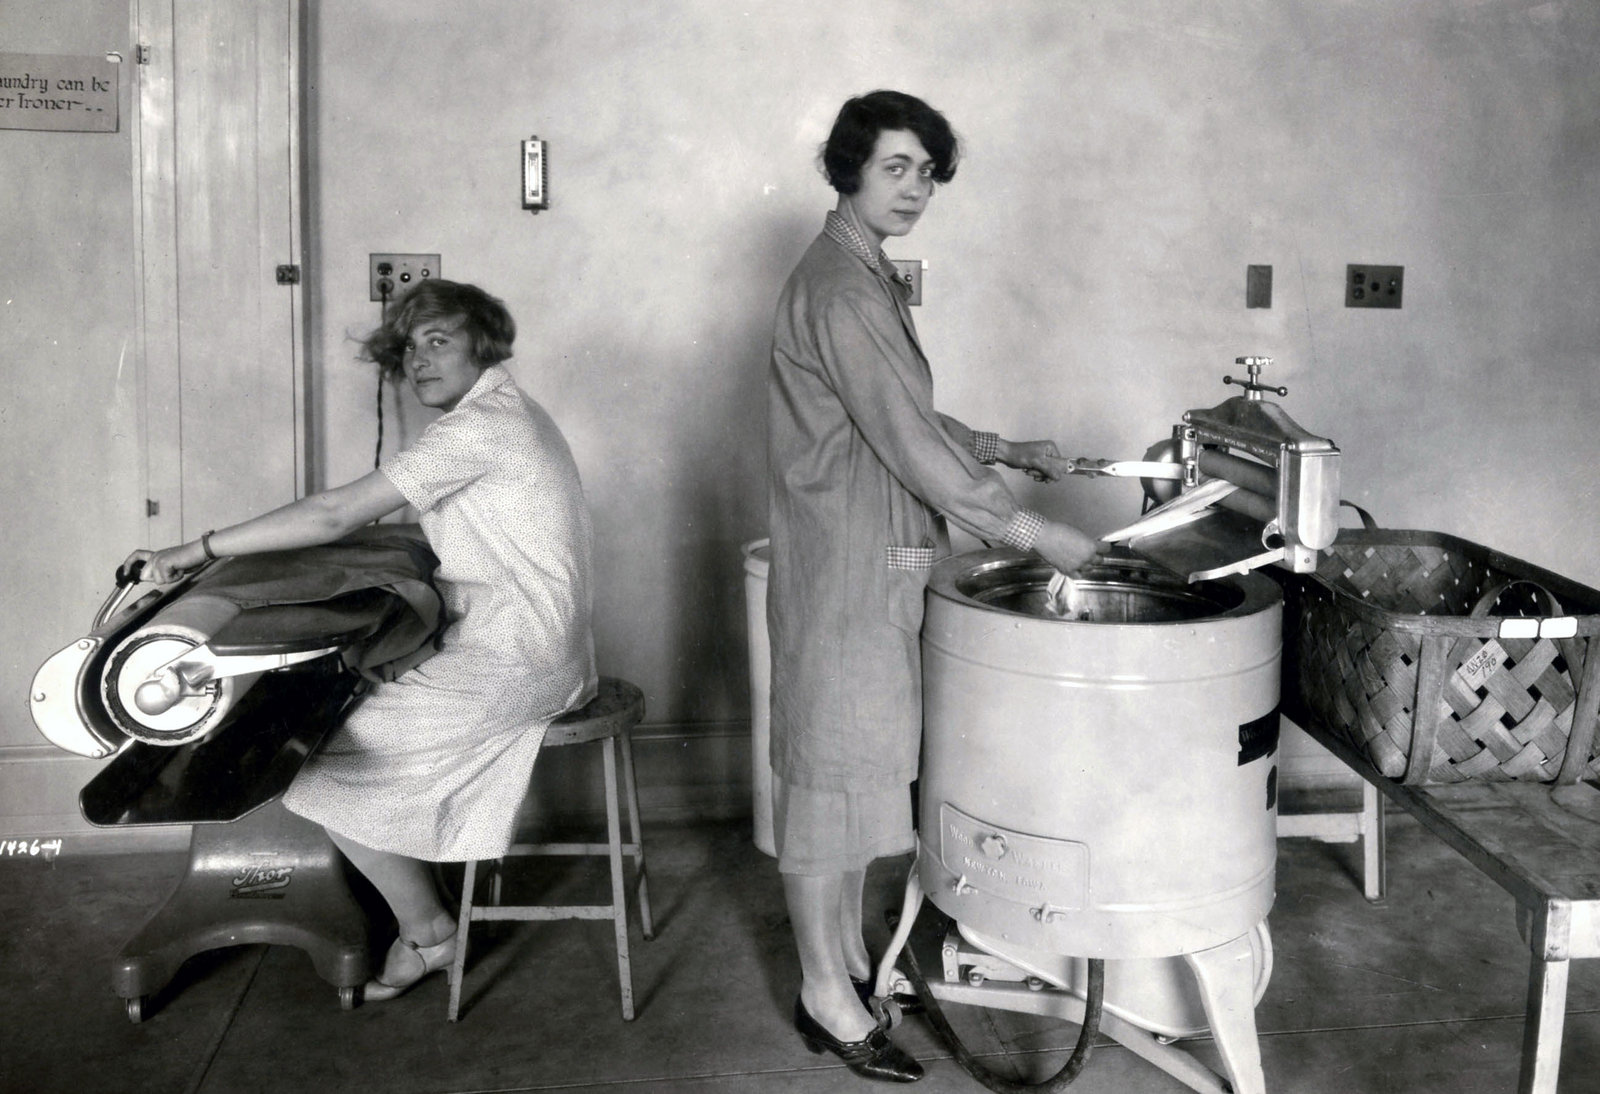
{"x":1472,"y":674}
{"x":1481,"y":665}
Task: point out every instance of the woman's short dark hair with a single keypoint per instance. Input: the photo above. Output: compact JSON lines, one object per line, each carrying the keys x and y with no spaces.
{"x":483,"y":318}
{"x":856,"y":129}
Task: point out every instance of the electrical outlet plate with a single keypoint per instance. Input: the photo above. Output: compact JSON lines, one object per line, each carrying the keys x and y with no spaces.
{"x":398,"y":272}
{"x":909,"y":270}
{"x":1373,"y":286}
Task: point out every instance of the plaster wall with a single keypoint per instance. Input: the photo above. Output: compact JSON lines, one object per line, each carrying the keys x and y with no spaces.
{"x":1124,"y":163}
{"x":71,"y":461}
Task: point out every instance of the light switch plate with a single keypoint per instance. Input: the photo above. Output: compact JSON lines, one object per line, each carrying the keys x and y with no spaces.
{"x":909,"y":270}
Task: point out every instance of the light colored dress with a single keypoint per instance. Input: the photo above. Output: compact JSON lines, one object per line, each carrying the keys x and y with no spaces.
{"x":435,"y":764}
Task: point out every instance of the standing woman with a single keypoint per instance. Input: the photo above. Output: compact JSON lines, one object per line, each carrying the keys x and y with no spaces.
{"x":862,"y":473}
{"x":432,"y":766}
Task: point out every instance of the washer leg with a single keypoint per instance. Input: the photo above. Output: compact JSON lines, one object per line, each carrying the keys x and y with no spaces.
{"x":1227,"y":988}
{"x":909,"y":907}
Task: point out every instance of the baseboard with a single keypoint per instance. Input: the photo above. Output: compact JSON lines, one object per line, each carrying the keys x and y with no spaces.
{"x":1304,"y":764}
{"x":39,"y":787}
{"x":687,"y":773}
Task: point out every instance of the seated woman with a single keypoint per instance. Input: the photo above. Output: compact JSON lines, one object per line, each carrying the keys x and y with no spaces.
{"x":862,"y":473}
{"x":432,"y":766}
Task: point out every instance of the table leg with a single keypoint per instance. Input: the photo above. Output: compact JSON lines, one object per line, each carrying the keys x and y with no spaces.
{"x":1542,"y":1028}
{"x":1374,"y":857}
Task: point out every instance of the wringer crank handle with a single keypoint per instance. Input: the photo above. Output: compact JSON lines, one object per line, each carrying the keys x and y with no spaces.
{"x":1124,"y":469}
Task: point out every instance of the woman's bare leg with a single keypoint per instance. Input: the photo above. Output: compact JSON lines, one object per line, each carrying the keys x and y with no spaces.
{"x":857,"y":962}
{"x":814,"y":903}
{"x":407,"y":885}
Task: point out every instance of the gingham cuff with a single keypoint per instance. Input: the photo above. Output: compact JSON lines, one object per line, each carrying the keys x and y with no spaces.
{"x":985,"y":447}
{"x":908,"y":558}
{"x":1023,"y":530}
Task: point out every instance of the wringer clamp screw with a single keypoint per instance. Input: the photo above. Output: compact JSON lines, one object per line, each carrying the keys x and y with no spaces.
{"x":1253,"y":387}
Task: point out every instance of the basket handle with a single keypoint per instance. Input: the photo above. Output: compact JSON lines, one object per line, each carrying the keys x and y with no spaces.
{"x":1366,"y":518}
{"x":1494,"y":592}
{"x":1580,"y":737}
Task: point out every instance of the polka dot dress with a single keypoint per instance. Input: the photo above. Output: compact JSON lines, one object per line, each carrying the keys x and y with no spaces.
{"x":435,"y":764}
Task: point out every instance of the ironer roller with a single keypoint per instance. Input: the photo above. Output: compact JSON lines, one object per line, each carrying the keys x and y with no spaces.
{"x":169,"y":667}
{"x":205,"y":696}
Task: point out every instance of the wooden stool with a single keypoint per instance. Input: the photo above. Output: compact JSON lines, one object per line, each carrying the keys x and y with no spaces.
{"x":608,"y":718}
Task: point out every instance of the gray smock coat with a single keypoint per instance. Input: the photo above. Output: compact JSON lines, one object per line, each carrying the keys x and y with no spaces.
{"x":861,"y":467}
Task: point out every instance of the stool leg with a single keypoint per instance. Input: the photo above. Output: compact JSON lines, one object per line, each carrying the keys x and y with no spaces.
{"x":641,"y":884}
{"x":619,"y":894}
{"x":458,"y":969}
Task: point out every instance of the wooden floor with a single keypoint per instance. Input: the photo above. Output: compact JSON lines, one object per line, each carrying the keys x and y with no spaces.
{"x":1423,"y":994}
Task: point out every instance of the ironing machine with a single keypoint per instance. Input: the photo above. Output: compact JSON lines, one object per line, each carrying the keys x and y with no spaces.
{"x":1098,"y":790}
{"x":206,"y":696}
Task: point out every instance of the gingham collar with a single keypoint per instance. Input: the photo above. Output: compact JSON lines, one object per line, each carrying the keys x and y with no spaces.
{"x":842,"y":232}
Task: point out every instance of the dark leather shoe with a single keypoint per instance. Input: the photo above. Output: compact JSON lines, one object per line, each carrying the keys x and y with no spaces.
{"x":872,"y":1057}
{"x":909,"y":1002}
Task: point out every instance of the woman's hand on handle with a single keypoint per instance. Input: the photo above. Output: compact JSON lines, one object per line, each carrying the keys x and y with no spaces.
{"x":317,"y":519}
{"x":1040,"y":459}
{"x":1064,"y":547}
{"x":161,"y":567}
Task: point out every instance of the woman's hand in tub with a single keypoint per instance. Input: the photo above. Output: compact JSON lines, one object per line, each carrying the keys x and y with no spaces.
{"x":1064,"y":547}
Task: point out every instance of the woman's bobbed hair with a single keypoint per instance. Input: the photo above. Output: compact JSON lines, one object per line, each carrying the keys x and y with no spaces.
{"x":856,"y":129}
{"x":483,"y":318}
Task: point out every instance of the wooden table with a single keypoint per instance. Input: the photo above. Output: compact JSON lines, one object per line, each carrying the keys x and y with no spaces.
{"x":1542,"y":849}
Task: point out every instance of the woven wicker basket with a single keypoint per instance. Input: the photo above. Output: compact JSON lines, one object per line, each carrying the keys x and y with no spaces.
{"x":1441,"y":661}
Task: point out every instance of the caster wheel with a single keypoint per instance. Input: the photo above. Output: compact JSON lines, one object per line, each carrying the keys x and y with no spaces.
{"x":136,"y":1009}
{"x":888,"y":1012}
{"x":348,"y":998}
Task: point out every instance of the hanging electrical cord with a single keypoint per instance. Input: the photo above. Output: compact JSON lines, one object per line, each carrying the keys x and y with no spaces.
{"x":377,"y":451}
{"x":969,"y":1063}
{"x":383,"y":317}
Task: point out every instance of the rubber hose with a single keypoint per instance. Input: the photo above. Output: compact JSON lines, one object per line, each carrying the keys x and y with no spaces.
{"x":1061,"y":1079}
